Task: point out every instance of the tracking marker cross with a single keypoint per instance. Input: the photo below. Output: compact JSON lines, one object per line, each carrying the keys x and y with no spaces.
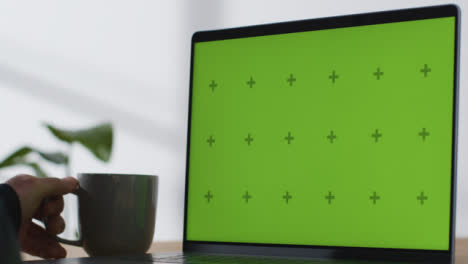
{"x":423,"y":134}
{"x":210,"y":141}
{"x":374,"y":197}
{"x":246,"y":196}
{"x":208,"y":196}
{"x":378,"y":73}
{"x":330,"y":197}
{"x":425,"y":70}
{"x":333,"y":76}
{"x":331,"y":137}
{"x":251,"y":82}
{"x":249,"y":139}
{"x":421,"y":198}
{"x":291,"y":79}
{"x":289,"y":138}
{"x":287,"y":197}
{"x":213,"y":85}
{"x":376,"y":135}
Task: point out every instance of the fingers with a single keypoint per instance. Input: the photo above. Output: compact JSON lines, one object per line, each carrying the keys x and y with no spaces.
{"x":52,"y":209}
{"x":54,"y":186}
{"x":53,"y":206}
{"x":31,"y":192}
{"x":37,"y":242}
{"x":55,"y":225}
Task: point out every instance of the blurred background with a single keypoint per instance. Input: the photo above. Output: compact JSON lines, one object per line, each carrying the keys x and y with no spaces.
{"x":76,"y":64}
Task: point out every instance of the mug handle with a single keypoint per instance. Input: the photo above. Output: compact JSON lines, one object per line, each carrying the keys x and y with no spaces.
{"x":77,"y":243}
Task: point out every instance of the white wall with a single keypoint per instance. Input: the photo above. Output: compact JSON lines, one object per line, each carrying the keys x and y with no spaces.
{"x":75,"y":64}
{"x":78,"y":63}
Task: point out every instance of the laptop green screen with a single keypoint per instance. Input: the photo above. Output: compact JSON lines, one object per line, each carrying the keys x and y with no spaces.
{"x":336,"y":137}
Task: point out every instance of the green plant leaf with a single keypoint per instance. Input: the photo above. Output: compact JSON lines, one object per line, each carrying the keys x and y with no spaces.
{"x":98,"y":140}
{"x":55,"y":157}
{"x":17,"y":157}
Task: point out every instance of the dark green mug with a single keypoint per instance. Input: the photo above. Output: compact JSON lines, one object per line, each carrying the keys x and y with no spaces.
{"x":116,"y":213}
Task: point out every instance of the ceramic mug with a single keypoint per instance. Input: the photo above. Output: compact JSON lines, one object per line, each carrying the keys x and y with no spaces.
{"x":116,"y":213}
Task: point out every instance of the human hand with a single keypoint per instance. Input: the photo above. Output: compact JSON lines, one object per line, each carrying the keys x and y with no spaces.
{"x":32,"y":191}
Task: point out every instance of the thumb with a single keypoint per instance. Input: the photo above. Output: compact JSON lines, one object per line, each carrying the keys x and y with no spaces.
{"x":54,"y":186}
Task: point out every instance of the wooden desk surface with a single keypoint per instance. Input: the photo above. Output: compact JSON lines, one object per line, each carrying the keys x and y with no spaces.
{"x":461,"y":250}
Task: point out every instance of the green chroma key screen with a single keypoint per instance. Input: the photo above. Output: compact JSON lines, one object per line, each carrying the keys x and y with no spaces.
{"x":336,"y":137}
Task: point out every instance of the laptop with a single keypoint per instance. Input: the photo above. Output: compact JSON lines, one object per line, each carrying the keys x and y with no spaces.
{"x":325,"y":139}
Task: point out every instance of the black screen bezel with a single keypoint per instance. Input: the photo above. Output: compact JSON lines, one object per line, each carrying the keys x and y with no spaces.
{"x":329,"y":252}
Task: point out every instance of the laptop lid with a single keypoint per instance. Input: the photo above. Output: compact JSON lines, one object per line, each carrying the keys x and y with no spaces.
{"x":331,"y":137}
